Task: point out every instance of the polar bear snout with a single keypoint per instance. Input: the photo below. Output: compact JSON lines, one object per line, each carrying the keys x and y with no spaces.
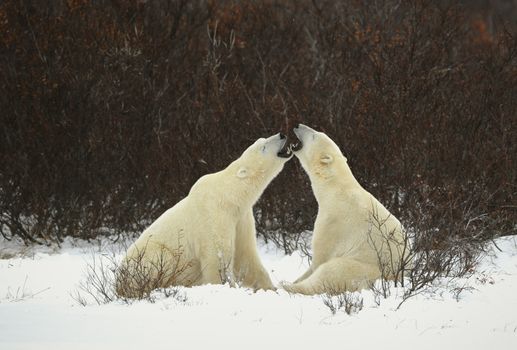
{"x":302,"y":133}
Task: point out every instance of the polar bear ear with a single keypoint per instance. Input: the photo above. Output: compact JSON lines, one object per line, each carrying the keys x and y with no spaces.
{"x":242,"y":172}
{"x":326,"y":158}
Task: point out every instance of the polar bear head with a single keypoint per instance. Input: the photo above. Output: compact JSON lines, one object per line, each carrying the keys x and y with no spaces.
{"x":245,"y":179}
{"x":319,"y":155}
{"x":262,"y":161}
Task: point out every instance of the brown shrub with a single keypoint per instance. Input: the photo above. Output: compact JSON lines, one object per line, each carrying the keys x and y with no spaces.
{"x":111,"y":110}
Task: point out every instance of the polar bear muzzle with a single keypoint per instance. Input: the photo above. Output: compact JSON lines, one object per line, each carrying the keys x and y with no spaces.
{"x":302,"y":132}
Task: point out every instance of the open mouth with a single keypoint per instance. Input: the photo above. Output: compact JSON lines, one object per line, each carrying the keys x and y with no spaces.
{"x":285,"y":151}
{"x":295,"y":147}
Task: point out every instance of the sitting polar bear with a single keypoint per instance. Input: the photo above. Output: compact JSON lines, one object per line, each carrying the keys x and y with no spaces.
{"x":355,"y":236}
{"x":209,"y":236}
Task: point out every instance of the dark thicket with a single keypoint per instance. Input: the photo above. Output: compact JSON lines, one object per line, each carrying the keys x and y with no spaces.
{"x":110,"y":110}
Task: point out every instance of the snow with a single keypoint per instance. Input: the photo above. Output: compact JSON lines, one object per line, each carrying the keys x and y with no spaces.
{"x":37,"y":309}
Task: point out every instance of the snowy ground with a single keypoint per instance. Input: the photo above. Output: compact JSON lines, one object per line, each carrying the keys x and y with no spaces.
{"x":38,"y":312}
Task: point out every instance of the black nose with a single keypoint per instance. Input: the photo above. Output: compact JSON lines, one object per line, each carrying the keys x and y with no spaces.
{"x":282,"y":136}
{"x":297,"y":126}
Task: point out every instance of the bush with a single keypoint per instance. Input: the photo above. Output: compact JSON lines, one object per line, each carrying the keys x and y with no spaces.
{"x":349,"y":302}
{"x":111,"y":110}
{"x":106,"y":280}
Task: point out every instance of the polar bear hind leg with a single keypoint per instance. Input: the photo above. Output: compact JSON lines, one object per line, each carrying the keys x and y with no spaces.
{"x":336,"y":276}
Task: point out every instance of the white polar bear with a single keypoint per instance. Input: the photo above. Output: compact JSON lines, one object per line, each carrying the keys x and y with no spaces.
{"x":209,"y":236}
{"x":355,"y":236}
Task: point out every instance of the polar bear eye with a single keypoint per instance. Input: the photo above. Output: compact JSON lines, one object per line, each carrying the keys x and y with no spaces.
{"x":264,"y":149}
{"x":242,"y":173}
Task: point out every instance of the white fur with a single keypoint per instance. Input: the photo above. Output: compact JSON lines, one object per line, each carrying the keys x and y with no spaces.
{"x":210,"y":234}
{"x":348,"y":244}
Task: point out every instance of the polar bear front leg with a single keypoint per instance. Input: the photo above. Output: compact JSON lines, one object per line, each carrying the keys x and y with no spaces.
{"x":216,"y":259}
{"x":248,"y":268}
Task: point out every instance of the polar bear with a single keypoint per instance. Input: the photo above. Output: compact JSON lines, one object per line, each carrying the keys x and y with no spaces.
{"x":209,"y":236}
{"x":356,"y":240}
